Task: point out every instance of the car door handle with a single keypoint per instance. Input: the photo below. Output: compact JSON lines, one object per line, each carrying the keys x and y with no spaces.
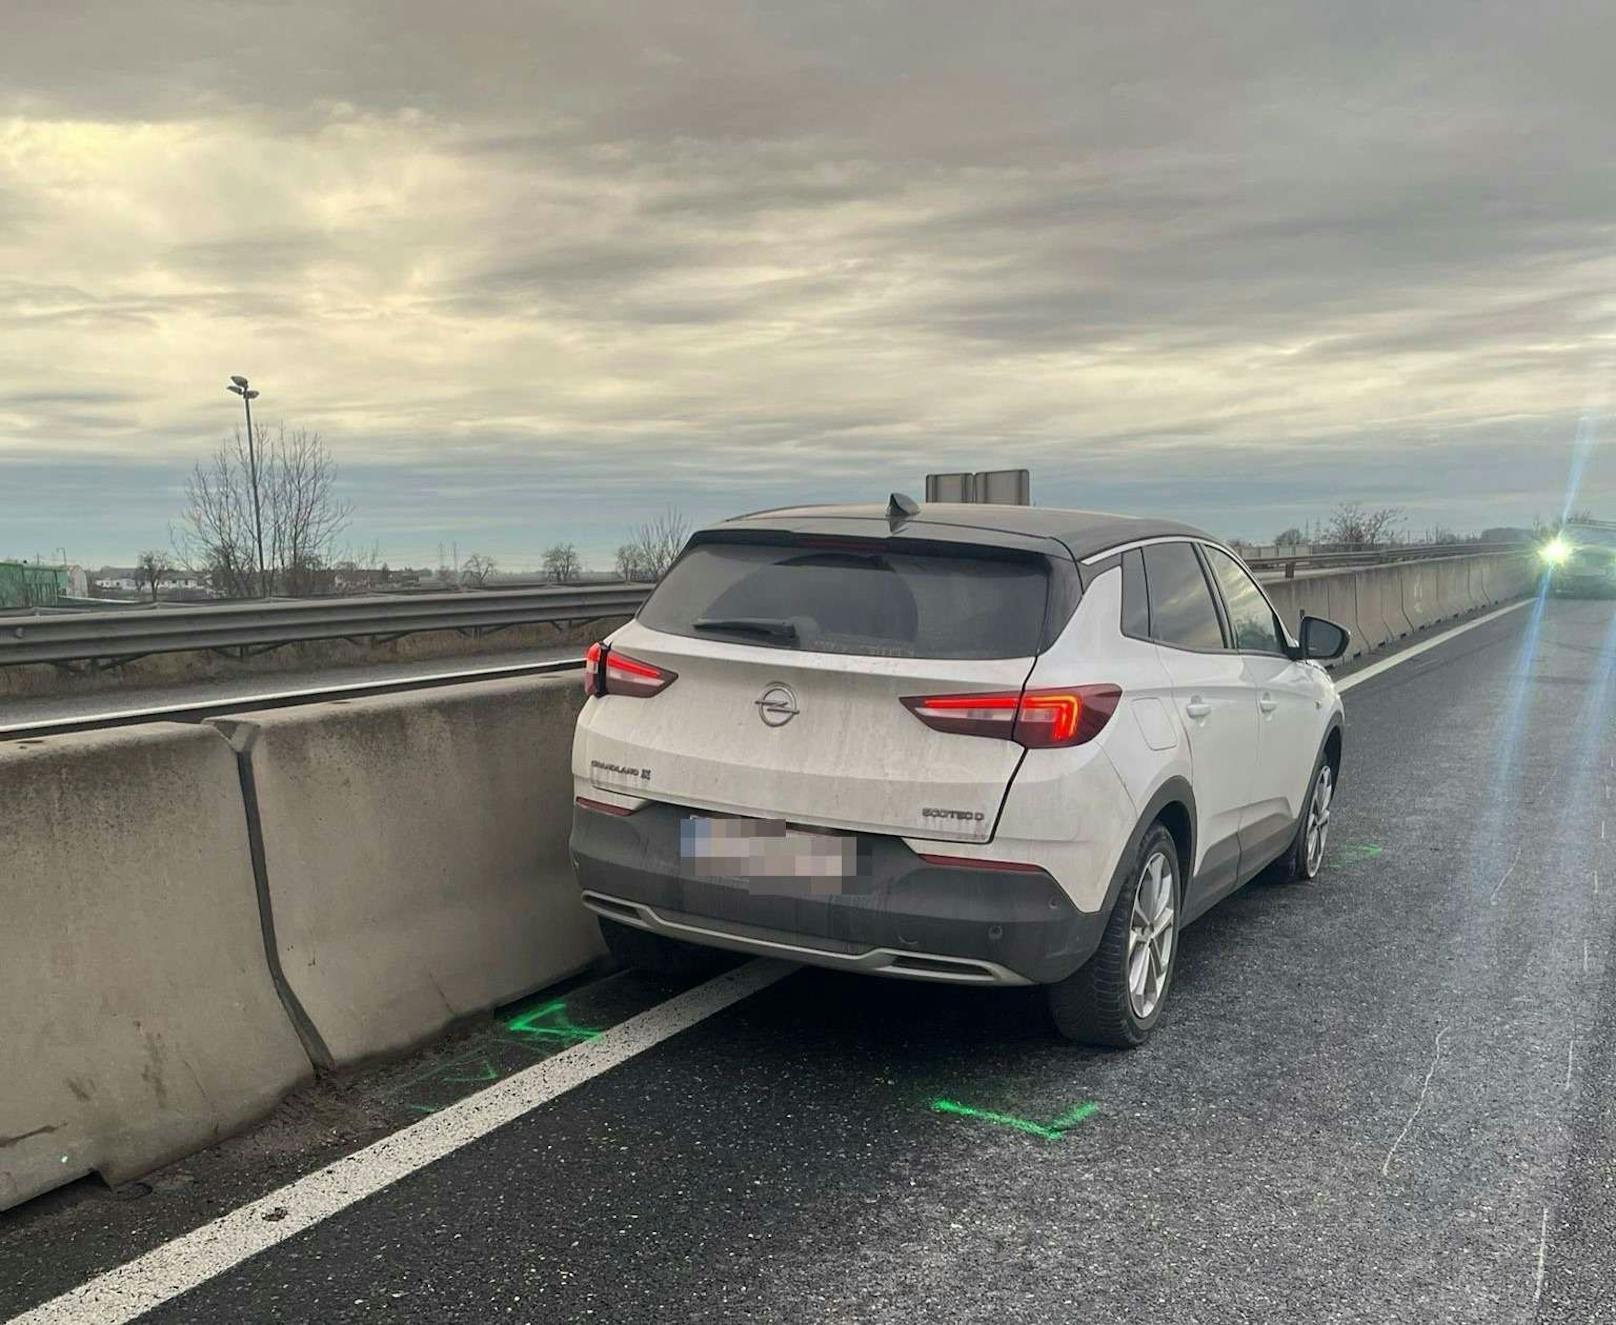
{"x":1268,"y":703}
{"x":1197,"y":707}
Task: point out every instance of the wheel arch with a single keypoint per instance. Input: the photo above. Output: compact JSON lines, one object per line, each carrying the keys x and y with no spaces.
{"x":1331,"y":749}
{"x":1173,"y":805}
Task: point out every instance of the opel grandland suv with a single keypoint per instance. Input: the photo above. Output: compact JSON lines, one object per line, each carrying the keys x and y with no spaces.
{"x":994,"y":745}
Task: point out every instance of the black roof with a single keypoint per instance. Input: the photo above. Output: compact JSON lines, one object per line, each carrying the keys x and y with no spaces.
{"x":1083,"y":533}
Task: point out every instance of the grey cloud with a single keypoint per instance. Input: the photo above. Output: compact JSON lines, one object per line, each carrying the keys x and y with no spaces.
{"x":758,"y":251}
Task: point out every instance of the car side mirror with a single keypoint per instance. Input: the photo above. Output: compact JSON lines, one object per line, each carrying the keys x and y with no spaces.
{"x":1323,"y":641}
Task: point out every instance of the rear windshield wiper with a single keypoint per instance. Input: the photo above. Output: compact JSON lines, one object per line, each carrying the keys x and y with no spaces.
{"x":773,"y":627}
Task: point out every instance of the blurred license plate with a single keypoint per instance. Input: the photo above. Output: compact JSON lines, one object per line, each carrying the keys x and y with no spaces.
{"x":765,"y":849}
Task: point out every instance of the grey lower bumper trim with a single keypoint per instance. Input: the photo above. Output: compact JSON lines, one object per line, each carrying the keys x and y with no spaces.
{"x":873,"y":961}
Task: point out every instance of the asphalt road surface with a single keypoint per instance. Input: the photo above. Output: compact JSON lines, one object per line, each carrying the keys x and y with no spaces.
{"x":1386,"y":1096}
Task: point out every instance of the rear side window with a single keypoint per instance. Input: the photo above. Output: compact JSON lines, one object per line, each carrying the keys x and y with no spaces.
{"x":1251,"y":620}
{"x":1135,"y":604}
{"x":855,"y":600}
{"x":1182,"y":613}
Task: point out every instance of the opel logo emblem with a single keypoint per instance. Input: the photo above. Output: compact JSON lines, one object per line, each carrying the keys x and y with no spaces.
{"x":776,"y":706}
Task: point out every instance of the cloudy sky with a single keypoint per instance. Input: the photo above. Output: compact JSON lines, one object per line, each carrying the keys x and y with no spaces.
{"x":537,"y":270}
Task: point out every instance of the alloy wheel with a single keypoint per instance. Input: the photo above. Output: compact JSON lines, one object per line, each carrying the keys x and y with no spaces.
{"x":1318,"y":819}
{"x":1151,"y":936}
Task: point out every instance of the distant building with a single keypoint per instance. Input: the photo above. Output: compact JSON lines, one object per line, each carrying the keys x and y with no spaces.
{"x":177,"y":582}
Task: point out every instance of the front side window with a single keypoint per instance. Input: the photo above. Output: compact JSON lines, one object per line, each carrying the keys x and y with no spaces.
{"x":1251,"y":619}
{"x":1182,"y":613}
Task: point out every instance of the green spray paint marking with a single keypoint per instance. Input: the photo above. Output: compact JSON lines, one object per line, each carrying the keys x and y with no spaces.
{"x":548,"y":1023}
{"x":488,"y":1073}
{"x":1051,"y":1131}
{"x":1354,"y":853}
{"x":1073,"y":1116}
{"x":541,"y":1030}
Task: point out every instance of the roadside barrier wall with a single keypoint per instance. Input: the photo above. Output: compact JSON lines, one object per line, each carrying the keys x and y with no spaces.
{"x":1379,"y":604}
{"x":138,"y":1020}
{"x":414,"y":851}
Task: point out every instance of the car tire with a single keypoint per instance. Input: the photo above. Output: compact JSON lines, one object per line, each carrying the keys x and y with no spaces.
{"x":1304,"y":860}
{"x":656,"y":953}
{"x":1113,"y":1000}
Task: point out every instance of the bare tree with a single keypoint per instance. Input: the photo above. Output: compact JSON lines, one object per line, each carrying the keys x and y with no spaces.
{"x":475,"y":570}
{"x":561,"y":563}
{"x":1353,"y":526}
{"x":151,"y":566}
{"x":654,"y":545}
{"x":1289,"y":537}
{"x":629,"y":566}
{"x":302,"y":513}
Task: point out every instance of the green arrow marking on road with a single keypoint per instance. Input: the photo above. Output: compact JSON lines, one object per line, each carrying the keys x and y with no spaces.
{"x":1051,"y":1131}
{"x":549,"y":1021}
{"x":1353,"y":853}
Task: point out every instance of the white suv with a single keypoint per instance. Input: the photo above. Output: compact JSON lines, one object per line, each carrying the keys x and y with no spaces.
{"x":990,"y":745}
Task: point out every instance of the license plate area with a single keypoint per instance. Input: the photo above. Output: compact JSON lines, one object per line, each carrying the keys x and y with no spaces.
{"x":767,"y":853}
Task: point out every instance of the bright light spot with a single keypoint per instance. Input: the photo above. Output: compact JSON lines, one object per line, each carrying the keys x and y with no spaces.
{"x":1555,"y":551}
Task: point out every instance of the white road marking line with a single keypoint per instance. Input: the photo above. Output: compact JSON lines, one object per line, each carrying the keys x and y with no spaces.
{"x":1542,"y":1255}
{"x":122,"y":1294}
{"x":1375,"y":669}
{"x":1507,"y":873}
{"x":1571,"y":1049}
{"x":1419,"y":1104}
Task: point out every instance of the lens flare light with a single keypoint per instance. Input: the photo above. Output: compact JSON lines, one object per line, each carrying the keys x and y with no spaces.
{"x":1555,"y":551}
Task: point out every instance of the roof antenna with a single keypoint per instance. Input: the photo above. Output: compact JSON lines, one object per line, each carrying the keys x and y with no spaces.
{"x":900,"y":508}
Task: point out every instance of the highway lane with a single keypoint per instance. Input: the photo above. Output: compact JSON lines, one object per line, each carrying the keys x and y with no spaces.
{"x":1385,"y":1096}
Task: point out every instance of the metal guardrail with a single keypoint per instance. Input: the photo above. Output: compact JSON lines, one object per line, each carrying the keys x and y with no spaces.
{"x":121,"y":636}
{"x":254,"y":702}
{"x":1380,"y":556}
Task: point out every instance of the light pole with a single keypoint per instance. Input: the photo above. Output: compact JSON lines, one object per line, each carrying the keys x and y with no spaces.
{"x":238,"y":384}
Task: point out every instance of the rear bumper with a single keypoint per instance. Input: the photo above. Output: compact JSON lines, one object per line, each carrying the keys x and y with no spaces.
{"x":900,"y":916}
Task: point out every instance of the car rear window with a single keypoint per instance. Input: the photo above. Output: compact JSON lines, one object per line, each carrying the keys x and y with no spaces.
{"x":853,"y":599}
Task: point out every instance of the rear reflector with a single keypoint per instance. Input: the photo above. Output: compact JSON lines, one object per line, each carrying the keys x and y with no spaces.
{"x":1037,"y":719}
{"x":973,"y":863}
{"x":609,"y":672}
{"x":583,"y":802}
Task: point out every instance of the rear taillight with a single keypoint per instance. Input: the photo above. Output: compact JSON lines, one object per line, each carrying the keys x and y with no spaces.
{"x":1037,"y":719}
{"x":609,"y":672}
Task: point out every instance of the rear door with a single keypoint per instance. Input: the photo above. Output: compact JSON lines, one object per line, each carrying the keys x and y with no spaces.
{"x":1214,"y":704}
{"x":1290,"y":717}
{"x":793,"y":660}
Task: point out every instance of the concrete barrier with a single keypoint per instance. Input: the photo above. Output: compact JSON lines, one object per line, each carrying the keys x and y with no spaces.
{"x":1379,"y":604}
{"x":138,"y":1021}
{"x":1376,"y":588}
{"x":1453,"y":586}
{"x":414,"y":850}
{"x":1419,"y":595}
